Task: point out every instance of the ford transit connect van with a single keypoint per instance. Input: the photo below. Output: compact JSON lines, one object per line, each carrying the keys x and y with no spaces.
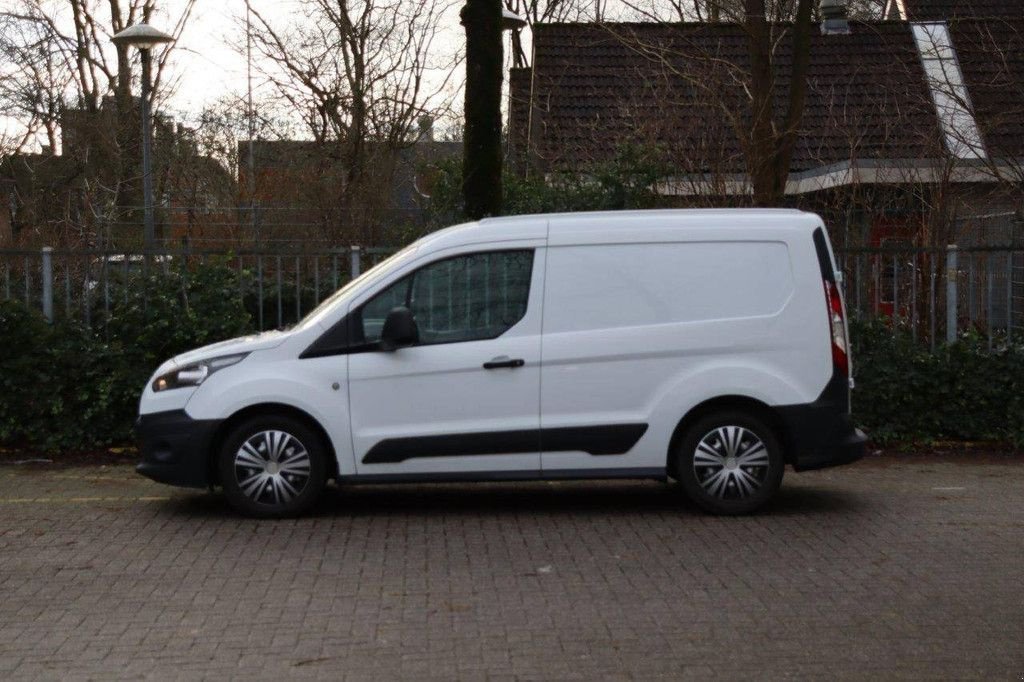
{"x":708,"y":347}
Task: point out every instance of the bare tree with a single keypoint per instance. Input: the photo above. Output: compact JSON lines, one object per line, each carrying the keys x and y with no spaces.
{"x":34,"y":79}
{"x":58,"y":60}
{"x":63,"y":47}
{"x":356,"y":72}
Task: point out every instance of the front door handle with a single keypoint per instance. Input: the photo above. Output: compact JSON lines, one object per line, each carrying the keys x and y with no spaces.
{"x":504,"y":361}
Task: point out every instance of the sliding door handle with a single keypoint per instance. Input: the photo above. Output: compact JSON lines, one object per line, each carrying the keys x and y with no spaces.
{"x":504,"y":361}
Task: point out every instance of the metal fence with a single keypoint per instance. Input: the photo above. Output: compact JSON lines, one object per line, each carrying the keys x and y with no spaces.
{"x":935,"y":294}
{"x":939,"y":294}
{"x":279,"y":287}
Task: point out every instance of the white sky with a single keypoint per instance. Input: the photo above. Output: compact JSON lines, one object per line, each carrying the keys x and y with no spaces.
{"x":205,"y":61}
{"x":207,"y":66}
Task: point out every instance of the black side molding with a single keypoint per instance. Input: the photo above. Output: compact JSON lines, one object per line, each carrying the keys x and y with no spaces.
{"x":656,"y":473}
{"x":609,"y":439}
{"x":613,"y":439}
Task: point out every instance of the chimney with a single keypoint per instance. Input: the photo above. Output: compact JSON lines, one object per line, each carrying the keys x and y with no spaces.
{"x":833,"y":13}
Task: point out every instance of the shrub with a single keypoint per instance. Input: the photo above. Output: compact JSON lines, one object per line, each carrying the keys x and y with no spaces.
{"x":68,"y":387}
{"x":60,"y":387}
{"x":961,"y":392}
{"x":168,"y":313}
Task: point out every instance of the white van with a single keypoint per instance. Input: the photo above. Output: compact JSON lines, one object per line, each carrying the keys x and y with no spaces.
{"x":705,"y":346}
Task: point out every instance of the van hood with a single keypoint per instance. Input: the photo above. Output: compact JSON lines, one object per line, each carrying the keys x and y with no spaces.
{"x":242,"y":344}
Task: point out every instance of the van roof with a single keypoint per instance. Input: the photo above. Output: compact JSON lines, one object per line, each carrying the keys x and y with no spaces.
{"x":527,"y":226}
{"x":686,"y":213}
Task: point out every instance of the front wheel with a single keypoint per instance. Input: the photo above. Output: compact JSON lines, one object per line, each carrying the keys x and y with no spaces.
{"x":272,"y":466}
{"x":729,"y":463}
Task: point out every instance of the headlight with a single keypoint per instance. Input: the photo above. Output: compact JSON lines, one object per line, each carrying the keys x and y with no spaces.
{"x":196,"y":373}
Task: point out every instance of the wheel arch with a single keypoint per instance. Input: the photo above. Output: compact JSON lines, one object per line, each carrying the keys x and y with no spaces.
{"x":266,"y":409}
{"x":729,"y":402}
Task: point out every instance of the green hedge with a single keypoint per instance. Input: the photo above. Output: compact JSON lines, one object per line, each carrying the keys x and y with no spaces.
{"x":67,"y":387}
{"x":960,"y":392}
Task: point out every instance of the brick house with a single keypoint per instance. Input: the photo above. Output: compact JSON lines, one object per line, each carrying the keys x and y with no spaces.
{"x":909,"y":122}
{"x":80,"y":195}
{"x":299,"y":189}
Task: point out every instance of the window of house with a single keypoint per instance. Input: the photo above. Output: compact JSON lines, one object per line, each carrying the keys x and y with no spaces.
{"x":949,"y":94}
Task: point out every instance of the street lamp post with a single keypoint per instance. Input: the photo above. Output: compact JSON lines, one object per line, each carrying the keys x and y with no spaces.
{"x":144,"y":37}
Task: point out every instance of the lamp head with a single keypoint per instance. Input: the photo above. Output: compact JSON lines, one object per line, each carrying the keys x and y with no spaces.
{"x":141,"y":36}
{"x":510,"y":20}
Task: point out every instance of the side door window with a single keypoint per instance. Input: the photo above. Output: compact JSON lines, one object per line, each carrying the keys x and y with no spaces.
{"x":464,"y":298}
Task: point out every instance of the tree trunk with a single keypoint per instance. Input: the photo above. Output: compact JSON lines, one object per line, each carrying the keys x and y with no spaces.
{"x":797,"y":95}
{"x":761,"y":143}
{"x":481,"y":163}
{"x":771,"y":144}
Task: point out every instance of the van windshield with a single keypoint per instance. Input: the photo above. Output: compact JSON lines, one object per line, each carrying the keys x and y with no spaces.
{"x":328,"y":304}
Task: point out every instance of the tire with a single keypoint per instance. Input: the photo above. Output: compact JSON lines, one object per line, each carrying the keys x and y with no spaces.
{"x":272,"y":466}
{"x":729,"y":462}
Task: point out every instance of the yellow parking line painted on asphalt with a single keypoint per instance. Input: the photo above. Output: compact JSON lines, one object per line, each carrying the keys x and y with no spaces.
{"x":89,"y":477}
{"x":69,"y":477}
{"x":80,"y":500}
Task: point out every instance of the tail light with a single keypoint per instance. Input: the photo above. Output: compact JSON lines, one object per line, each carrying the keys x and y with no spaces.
{"x":837,"y":324}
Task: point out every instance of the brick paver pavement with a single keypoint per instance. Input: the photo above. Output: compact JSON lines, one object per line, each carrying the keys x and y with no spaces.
{"x":884,"y":569}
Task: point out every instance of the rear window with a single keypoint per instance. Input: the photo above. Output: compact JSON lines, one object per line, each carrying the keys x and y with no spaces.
{"x":628,"y":285}
{"x":824,"y":259}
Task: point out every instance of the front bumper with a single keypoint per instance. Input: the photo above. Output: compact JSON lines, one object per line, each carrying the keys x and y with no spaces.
{"x":175,"y":448}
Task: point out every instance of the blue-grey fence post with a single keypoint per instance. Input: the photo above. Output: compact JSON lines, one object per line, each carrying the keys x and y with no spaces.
{"x":354,"y":269}
{"x":47,"y":276}
{"x":1009,"y":297}
{"x":951,"y":277}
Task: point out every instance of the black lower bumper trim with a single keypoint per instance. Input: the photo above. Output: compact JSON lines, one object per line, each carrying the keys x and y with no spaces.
{"x":848,"y":451}
{"x":175,"y":448}
{"x":818,"y":437}
{"x":821,"y":434}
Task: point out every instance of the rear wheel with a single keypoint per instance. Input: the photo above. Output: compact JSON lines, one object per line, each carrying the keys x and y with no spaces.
{"x":729,"y":462}
{"x":272,"y":466}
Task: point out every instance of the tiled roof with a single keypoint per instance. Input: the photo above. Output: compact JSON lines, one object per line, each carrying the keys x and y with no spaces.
{"x":678,"y":88}
{"x":991,"y":55}
{"x":942,"y":10}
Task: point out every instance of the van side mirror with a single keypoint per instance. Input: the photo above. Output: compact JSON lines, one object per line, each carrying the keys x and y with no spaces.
{"x":399,"y":330}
